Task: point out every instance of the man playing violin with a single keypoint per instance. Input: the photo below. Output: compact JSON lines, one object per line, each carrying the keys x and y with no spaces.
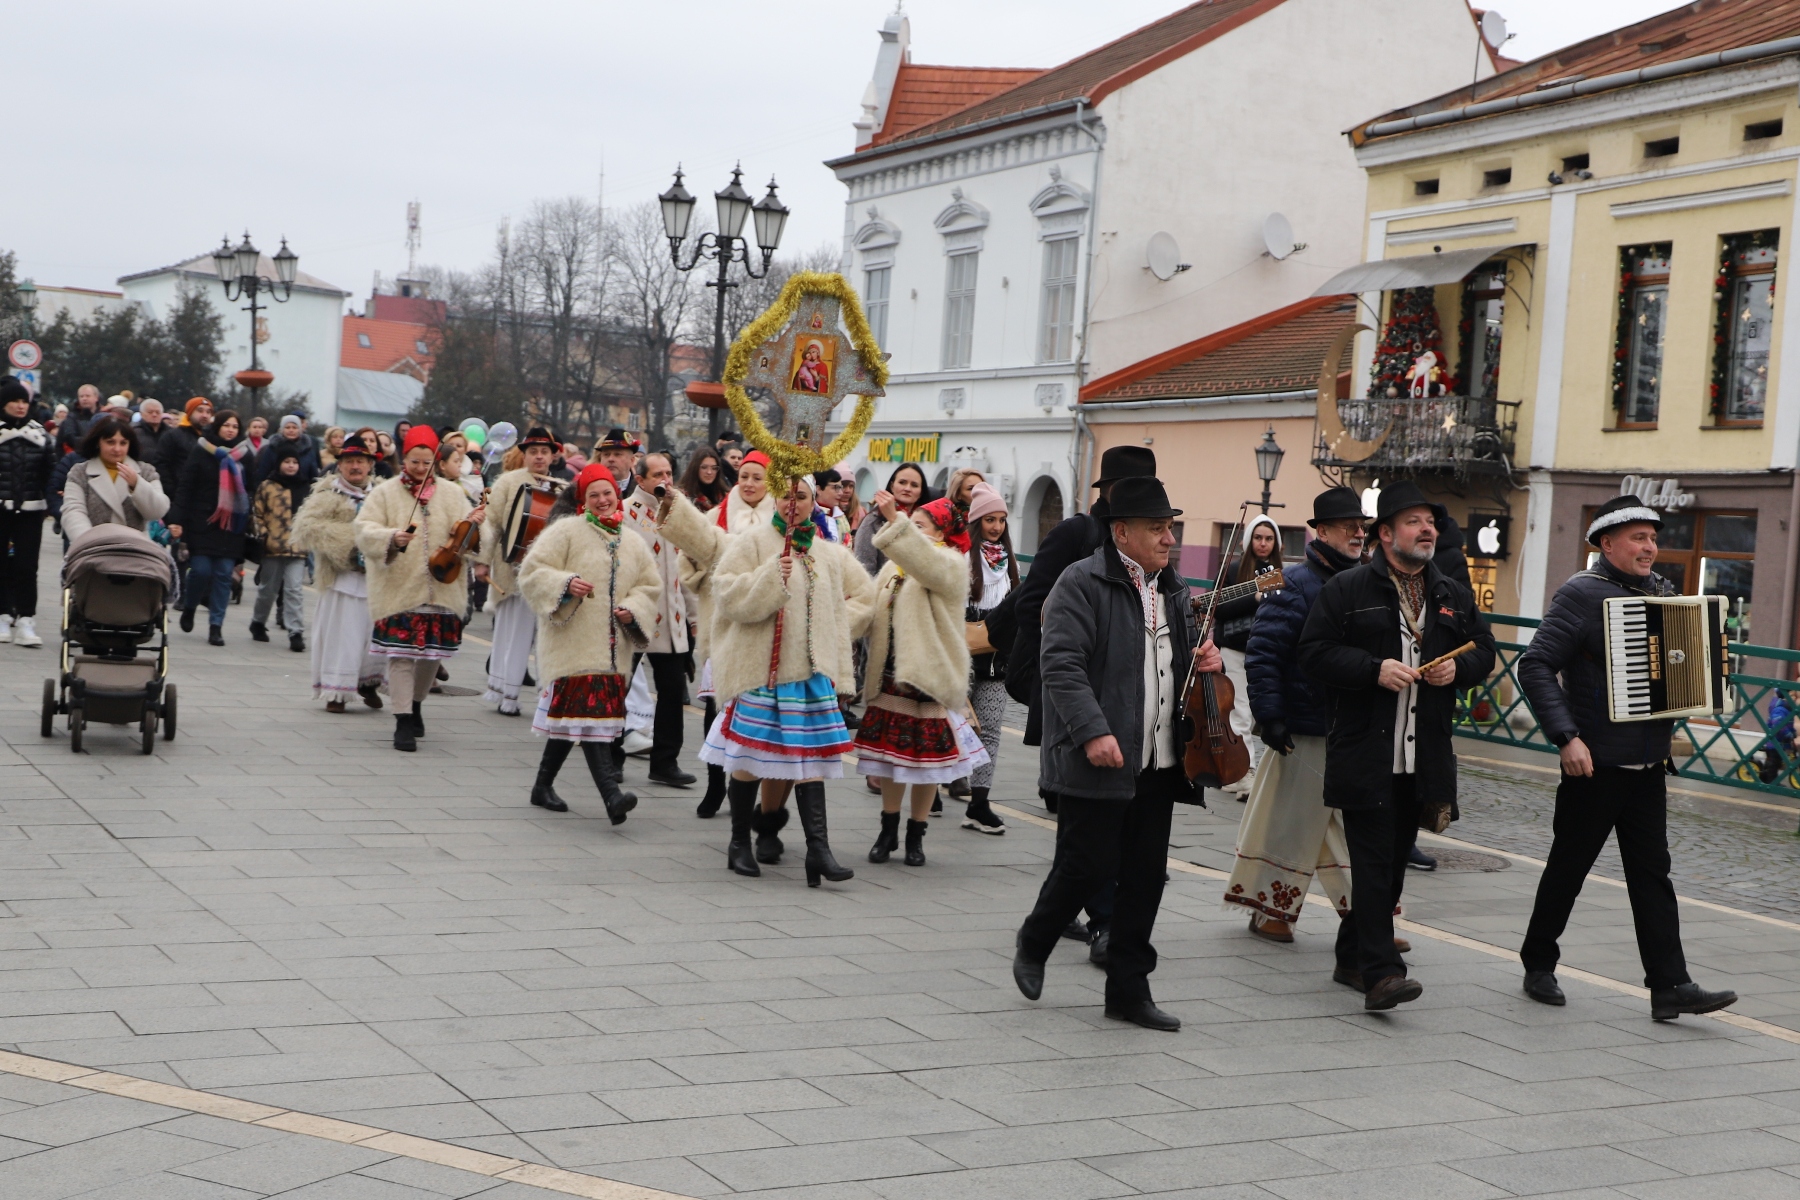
{"x":515,"y":626}
{"x":1118,"y":641}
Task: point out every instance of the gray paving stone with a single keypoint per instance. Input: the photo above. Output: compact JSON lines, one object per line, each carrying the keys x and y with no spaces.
{"x":282,"y":1165}
{"x":89,"y":1115}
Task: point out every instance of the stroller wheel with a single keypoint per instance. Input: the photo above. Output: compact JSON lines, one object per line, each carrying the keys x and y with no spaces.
{"x":147,"y":726}
{"x":46,"y":726}
{"x":77,"y":721}
{"x":168,"y":713}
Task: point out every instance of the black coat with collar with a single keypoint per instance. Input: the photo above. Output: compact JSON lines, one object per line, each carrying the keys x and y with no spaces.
{"x":1353,"y":626}
{"x":1073,"y":540}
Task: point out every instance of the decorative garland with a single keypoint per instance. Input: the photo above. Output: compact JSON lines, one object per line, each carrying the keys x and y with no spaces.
{"x":1621,"y":366}
{"x":1723,"y":315}
{"x":786,"y":460}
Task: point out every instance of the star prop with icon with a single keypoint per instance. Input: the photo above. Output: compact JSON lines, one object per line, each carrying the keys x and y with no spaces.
{"x":798,"y":351}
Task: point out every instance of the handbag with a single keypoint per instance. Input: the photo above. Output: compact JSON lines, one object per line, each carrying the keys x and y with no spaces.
{"x":1434,"y":816}
{"x":977,"y":635}
{"x":255,"y":546}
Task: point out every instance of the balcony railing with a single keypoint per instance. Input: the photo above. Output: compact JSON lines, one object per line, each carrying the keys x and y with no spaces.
{"x":1458,"y":435}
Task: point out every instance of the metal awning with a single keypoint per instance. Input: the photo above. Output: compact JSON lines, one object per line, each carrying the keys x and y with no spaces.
{"x":1416,"y":270}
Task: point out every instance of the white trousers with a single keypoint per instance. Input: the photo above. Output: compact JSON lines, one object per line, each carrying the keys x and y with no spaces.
{"x":640,"y":702}
{"x":341,"y":662}
{"x":515,"y":631}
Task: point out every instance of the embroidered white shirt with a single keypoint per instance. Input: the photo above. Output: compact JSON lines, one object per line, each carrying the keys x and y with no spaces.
{"x":1158,"y":749}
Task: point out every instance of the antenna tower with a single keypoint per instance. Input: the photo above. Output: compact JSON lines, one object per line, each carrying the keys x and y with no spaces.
{"x":412,"y":239}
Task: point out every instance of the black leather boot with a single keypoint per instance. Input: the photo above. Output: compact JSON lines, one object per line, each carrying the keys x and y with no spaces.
{"x":259,"y":632}
{"x":743,"y":796}
{"x":888,"y":840}
{"x":418,"y":718}
{"x":768,"y":825}
{"x":715,"y":792}
{"x":606,"y":778}
{"x":556,"y":752}
{"x":915,"y":842}
{"x":403,"y":734}
{"x":809,"y":798}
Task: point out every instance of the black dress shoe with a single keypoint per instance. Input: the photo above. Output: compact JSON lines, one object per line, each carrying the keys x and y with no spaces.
{"x":671,"y":775}
{"x":546,"y":797}
{"x":1390,"y":991}
{"x":1347,"y":977}
{"x":1075,"y":931}
{"x":1668,"y":1003}
{"x":1542,"y":987}
{"x":1098,"y":947}
{"x":1145,"y":1013}
{"x":1027,"y":974}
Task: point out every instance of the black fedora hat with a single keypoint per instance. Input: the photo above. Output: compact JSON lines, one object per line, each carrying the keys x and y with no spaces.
{"x":1336,"y":504}
{"x":1126,"y":462}
{"x":1139,"y":496}
{"x":1397,"y":498}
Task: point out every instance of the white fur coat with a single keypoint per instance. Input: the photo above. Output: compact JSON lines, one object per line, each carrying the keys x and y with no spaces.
{"x":401,"y":582}
{"x":701,"y":540}
{"x":326,"y":526}
{"x":931,"y":648}
{"x":575,"y":636}
{"x":747,"y":591}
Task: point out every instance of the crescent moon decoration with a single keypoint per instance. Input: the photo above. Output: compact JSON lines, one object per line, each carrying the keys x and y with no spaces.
{"x":1338,"y":442}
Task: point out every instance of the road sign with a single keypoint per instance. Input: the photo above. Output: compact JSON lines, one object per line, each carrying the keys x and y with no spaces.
{"x":24,"y":354}
{"x":32,"y":379}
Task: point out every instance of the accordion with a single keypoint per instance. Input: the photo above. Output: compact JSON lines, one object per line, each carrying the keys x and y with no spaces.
{"x":1666,"y":656}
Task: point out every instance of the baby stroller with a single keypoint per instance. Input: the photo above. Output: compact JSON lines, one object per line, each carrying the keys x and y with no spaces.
{"x":116,"y":584}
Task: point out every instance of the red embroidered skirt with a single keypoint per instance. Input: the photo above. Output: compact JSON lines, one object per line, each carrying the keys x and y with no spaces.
{"x":582,"y":708}
{"x":417,"y":634}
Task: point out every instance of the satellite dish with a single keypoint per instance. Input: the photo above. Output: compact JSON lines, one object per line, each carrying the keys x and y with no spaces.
{"x":1164,"y":257}
{"x":1278,"y":236}
{"x":1493,"y":29}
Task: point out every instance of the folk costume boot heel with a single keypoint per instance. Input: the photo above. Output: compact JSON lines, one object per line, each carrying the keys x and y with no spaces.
{"x":715,"y":792}
{"x":403,"y":734}
{"x":809,"y":798}
{"x":556,"y":752}
{"x":606,"y":778}
{"x":742,"y":793}
{"x":888,"y":840}
{"x":768,"y":825}
{"x":915,"y":842}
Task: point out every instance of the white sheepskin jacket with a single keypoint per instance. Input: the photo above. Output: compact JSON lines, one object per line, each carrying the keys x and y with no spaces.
{"x":576,"y":636}
{"x":326,"y":526}
{"x":701,"y":540}
{"x":401,"y":582}
{"x":747,"y":591}
{"x":503,"y":576}
{"x":922,"y":615}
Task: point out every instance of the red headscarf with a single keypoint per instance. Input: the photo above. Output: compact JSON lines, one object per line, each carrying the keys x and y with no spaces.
{"x":591,"y":473}
{"x":419,"y":435}
{"x":755,"y":456}
{"x":951,"y":520}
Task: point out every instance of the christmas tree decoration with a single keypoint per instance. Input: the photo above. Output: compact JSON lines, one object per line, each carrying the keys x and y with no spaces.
{"x":1412,"y":332}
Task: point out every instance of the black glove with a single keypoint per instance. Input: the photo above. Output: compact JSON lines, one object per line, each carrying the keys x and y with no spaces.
{"x":1275,"y":737}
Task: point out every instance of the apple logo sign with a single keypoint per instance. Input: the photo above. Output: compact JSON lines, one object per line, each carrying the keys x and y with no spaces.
{"x":1371,"y":499}
{"x":1487,"y":539}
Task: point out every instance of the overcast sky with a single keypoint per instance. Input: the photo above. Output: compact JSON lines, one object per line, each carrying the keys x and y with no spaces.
{"x":152,"y":129}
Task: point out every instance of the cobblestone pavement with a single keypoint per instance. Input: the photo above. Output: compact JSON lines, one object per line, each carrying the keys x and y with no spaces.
{"x":278,"y":908}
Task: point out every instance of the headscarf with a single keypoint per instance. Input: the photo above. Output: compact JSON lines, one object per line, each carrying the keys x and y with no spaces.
{"x":233,"y":508}
{"x":419,"y":435}
{"x":951,"y":521}
{"x":597,"y":472}
{"x":724,"y":517}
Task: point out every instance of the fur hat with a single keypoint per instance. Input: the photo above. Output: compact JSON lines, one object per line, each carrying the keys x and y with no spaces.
{"x":1620,"y":510}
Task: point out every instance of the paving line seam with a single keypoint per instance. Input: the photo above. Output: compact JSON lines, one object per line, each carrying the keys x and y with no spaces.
{"x":1750,"y":1024}
{"x":1788,"y":809}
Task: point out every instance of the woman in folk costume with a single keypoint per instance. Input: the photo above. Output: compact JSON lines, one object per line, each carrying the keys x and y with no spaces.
{"x":701,"y":534}
{"x":993,"y":574}
{"x":594,"y":589}
{"x":913,"y":732}
{"x":342,"y":664}
{"x":417,"y":620}
{"x":786,"y":606}
{"x":515,"y":625}
{"x":1262,"y":554}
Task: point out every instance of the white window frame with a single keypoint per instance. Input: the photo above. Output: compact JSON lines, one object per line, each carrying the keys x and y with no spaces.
{"x":1056,"y":301}
{"x":875,"y":307}
{"x":959,"y":309}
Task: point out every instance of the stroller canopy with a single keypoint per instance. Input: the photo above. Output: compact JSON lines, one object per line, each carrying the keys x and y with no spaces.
{"x":117,"y":550}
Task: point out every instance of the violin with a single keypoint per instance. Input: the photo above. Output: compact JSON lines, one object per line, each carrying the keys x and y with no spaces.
{"x":1215,"y":756}
{"x":447,"y":559}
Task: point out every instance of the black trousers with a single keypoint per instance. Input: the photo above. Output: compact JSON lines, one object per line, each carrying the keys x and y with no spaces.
{"x":1100,"y":904}
{"x":21,"y":534}
{"x":1634,"y":804}
{"x":1380,"y":840}
{"x":669,"y":673}
{"x":1099,"y":841}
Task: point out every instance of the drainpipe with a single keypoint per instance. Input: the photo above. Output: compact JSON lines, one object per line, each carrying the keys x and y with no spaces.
{"x":1793,"y":550}
{"x":1083,"y":435}
{"x":1083,"y":457}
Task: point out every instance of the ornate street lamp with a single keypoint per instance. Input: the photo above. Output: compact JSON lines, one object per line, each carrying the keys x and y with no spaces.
{"x":725,"y":246}
{"x":240,"y":274}
{"x":1268,"y":464}
{"x":28,"y":301}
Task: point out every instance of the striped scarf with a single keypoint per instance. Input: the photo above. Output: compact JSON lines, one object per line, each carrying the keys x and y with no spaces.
{"x":233,"y":508}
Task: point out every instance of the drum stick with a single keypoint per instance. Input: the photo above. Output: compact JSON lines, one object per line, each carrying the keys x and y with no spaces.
{"x":1444,"y":658}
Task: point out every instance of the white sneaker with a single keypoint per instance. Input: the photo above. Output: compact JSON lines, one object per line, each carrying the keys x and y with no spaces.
{"x":25,"y":633}
{"x":6,"y":624}
{"x":637,"y":743}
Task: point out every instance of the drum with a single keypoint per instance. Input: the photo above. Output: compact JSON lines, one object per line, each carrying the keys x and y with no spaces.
{"x":529,"y":513}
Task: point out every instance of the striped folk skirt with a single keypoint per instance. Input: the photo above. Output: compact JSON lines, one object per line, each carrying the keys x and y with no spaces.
{"x":791,"y":731}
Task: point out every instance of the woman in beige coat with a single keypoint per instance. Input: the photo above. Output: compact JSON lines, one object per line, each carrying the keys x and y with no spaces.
{"x":913,"y":732}
{"x":110,"y":487}
{"x":585,"y":649}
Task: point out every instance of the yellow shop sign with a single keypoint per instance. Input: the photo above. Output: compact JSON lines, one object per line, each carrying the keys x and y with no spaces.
{"x":902,"y":449}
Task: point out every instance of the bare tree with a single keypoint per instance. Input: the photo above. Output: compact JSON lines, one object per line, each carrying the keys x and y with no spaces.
{"x":650,"y":305}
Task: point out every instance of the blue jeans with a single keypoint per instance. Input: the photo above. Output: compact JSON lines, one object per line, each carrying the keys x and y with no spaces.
{"x":209,"y":580}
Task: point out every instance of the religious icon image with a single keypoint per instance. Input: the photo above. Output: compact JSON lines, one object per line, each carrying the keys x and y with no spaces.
{"x":813,"y":365}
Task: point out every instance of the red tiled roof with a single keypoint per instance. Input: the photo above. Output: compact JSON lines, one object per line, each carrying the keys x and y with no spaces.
{"x":393,"y":346}
{"x":1101,"y":71}
{"x":1276,"y":352}
{"x":1705,"y":27}
{"x":923,"y":94}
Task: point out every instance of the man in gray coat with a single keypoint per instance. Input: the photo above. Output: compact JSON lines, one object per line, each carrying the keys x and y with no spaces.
{"x":1118,"y":639}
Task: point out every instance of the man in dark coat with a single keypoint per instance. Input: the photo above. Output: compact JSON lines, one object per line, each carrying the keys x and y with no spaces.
{"x":1612,"y":772}
{"x":1388,"y":749}
{"x":1119,"y":640}
{"x":176,"y":448}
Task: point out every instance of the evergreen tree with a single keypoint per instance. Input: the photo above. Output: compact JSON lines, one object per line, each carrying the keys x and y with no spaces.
{"x":1412,"y":329}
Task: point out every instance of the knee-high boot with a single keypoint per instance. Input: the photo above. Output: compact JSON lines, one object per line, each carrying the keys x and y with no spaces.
{"x":809,"y":798}
{"x":715,"y":792}
{"x":743,"y":794}
{"x":543,"y":794}
{"x":606,"y":778}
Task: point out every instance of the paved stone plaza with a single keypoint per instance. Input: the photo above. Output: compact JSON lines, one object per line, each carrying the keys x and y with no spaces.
{"x":277,"y":919}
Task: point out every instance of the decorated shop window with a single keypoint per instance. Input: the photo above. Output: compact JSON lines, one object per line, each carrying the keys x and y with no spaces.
{"x":1743,"y":327}
{"x":1410,"y":358}
{"x":1638,"y":343}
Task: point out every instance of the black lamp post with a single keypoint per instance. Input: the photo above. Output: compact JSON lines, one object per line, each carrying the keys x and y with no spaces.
{"x":28,"y":300}
{"x":725,"y":246}
{"x":1268,"y":464}
{"x":238,"y":275}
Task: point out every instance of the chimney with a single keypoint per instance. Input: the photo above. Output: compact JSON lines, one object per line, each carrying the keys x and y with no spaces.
{"x":896,"y":43}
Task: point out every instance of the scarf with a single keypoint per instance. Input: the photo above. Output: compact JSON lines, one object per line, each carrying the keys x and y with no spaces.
{"x":233,"y":508}
{"x":608,"y":524}
{"x":952,"y":521}
{"x":344,"y":489}
{"x":994,"y":555}
{"x":1334,"y":559}
{"x":422,"y":489}
{"x":803,"y":534}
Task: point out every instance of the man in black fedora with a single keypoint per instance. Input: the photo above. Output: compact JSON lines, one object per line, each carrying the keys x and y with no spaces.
{"x":1388,"y":746}
{"x":1119,"y":640}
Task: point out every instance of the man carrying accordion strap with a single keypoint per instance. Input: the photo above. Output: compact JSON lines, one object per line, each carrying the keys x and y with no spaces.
{"x":1612,"y":772}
